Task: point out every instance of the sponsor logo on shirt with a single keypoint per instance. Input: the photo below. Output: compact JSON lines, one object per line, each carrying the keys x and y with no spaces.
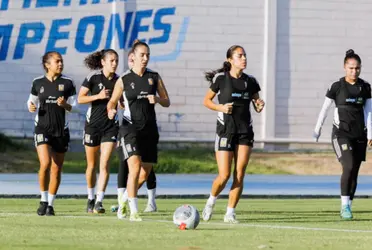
{"x":236,"y":95}
{"x":358,"y":100}
{"x":51,"y":99}
{"x":142,"y":95}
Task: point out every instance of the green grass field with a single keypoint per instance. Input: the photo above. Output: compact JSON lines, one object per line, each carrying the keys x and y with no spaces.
{"x":265,"y":224}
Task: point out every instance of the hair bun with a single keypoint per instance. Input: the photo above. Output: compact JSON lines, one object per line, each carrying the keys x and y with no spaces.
{"x":350,"y":52}
{"x":136,"y":41}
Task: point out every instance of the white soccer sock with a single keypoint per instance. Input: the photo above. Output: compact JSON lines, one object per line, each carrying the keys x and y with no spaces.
{"x":51,"y":198}
{"x":125,"y":196}
{"x":230,"y":210}
{"x":100,"y":196}
{"x":44,"y":196}
{"x":151,"y":196}
{"x":120,"y":194}
{"x":90,"y":193}
{"x":345,"y":200}
{"x":211,"y":200}
{"x":133,"y":205}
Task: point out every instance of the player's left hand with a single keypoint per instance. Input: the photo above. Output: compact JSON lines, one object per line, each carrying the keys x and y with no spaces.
{"x":153,"y":99}
{"x":61,"y":101}
{"x":370,"y":143}
{"x":259,"y":104}
{"x":111,"y":113}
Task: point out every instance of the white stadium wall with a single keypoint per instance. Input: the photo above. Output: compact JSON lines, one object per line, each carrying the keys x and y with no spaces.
{"x":295,"y":50}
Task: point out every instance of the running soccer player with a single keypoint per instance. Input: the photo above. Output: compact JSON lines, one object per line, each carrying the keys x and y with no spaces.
{"x":234,"y":134}
{"x":51,"y":96}
{"x":123,"y":173}
{"x":100,"y":133}
{"x":139,"y":87}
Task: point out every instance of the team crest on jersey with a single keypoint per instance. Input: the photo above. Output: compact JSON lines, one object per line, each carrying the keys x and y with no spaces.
{"x":100,"y":85}
{"x":151,"y":81}
{"x":245,"y":84}
{"x":132,"y":85}
{"x":41,"y":90}
{"x":61,"y":87}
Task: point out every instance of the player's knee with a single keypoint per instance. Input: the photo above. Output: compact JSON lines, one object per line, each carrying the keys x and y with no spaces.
{"x":44,"y":167}
{"x":239,"y":177}
{"x":55,"y":170}
{"x":224,"y":178}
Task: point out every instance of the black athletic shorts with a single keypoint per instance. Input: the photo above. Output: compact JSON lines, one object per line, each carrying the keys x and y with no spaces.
{"x":58,"y":144}
{"x":94,"y":137}
{"x":345,"y":148}
{"x":228,"y":142}
{"x":143,"y":143}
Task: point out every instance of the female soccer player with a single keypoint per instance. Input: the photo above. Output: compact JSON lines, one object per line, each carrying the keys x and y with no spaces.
{"x":100,"y":133}
{"x":139,"y":128}
{"x":234,"y":135}
{"x":351,"y":126}
{"x":51,"y":95}
{"x":123,"y":173}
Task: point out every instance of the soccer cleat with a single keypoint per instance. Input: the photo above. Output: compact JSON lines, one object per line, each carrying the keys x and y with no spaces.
{"x":90,"y":206}
{"x":207,"y":212}
{"x":114,"y":208}
{"x":42,"y":208}
{"x":346,"y":213}
{"x":50,"y":211}
{"x":230,"y":218}
{"x":122,"y":211}
{"x":150,"y":208}
{"x":135,"y":217}
{"x":98,"y":208}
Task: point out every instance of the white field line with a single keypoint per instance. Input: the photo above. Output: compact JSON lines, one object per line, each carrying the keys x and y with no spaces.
{"x":207,"y":224}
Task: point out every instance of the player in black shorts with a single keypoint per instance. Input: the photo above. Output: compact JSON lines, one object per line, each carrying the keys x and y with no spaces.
{"x":351,"y":126}
{"x":123,"y":173}
{"x":51,"y":95}
{"x":100,"y":133}
{"x":139,"y":128}
{"x":234,"y":135}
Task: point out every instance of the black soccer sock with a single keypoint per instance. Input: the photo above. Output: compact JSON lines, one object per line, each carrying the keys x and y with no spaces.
{"x":151,"y":180}
{"x":123,"y":174}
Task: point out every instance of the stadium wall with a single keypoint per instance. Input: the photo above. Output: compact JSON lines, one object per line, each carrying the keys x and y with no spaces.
{"x":295,"y":50}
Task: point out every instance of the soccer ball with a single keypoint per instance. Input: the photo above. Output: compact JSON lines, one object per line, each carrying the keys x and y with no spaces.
{"x":186,"y":217}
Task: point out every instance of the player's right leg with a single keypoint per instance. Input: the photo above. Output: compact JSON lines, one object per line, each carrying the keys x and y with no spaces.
{"x":224,"y":155}
{"x":92,"y":146}
{"x":43,"y":153}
